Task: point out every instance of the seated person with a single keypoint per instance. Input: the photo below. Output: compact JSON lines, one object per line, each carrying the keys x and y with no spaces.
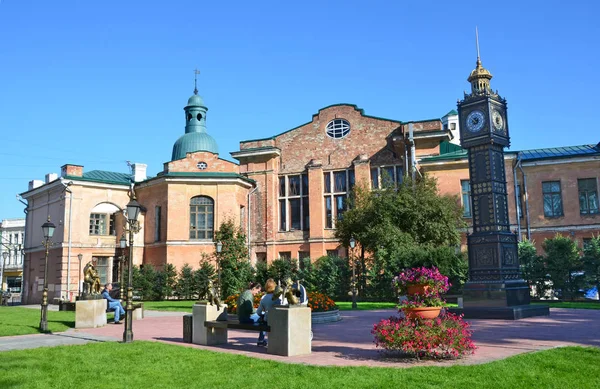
{"x":112,"y":303}
{"x":245,"y":309}
{"x":266,"y":302}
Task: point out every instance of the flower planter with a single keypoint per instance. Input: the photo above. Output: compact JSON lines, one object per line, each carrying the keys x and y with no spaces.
{"x":417,"y":289}
{"x":422,"y":312}
{"x":325,"y":317}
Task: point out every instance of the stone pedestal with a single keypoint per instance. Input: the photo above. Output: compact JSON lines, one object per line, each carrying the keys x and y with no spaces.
{"x":90,"y":313}
{"x":290,"y":331}
{"x":202,"y":312}
{"x":498,"y":300}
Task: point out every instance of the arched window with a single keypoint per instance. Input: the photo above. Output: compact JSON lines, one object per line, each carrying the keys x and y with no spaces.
{"x":102,"y":219}
{"x":201,"y":217}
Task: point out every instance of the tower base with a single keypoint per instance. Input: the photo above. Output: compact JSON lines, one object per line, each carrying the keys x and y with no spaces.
{"x":507,"y":300}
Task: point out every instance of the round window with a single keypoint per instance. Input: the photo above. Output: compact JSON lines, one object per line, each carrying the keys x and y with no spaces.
{"x":338,"y":128}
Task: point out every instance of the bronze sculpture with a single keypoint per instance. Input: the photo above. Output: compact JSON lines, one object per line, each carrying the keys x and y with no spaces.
{"x":211,"y":294}
{"x":91,"y":279}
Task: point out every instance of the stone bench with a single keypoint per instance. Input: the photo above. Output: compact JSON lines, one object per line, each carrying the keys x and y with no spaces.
{"x":289,"y":328}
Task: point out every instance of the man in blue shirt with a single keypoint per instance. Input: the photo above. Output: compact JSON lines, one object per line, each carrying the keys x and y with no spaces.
{"x":113,"y":305}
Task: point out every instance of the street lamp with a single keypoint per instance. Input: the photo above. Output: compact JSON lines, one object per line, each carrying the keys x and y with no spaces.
{"x":219,"y":249}
{"x":80,"y":257}
{"x":133,"y":211}
{"x":352,"y":245}
{"x":122,"y":245}
{"x":48,"y":230}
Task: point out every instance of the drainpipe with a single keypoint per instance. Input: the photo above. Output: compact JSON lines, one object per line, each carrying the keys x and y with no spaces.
{"x":520,"y":165}
{"x":249,"y":213}
{"x":517,"y":195}
{"x":66,"y":189}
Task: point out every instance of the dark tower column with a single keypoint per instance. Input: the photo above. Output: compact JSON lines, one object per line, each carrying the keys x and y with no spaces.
{"x":495,"y":289}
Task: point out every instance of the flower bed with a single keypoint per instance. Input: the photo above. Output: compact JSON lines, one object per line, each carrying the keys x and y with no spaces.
{"x":444,"y":337}
{"x":319,"y":302}
{"x":421,"y":333}
{"x":232,"y":302}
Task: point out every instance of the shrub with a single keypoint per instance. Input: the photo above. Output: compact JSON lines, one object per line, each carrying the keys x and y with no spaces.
{"x":319,"y":302}
{"x":441,"y":338}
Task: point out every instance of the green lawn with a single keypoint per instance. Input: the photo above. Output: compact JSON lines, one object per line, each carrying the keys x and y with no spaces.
{"x":570,"y":304}
{"x":22,"y":321}
{"x":156,"y":365}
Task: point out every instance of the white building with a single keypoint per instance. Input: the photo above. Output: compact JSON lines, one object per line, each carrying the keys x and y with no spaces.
{"x":12,"y":238}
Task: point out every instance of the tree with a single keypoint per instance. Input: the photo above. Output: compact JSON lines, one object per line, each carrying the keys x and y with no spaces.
{"x":186,"y":286}
{"x":282,"y":269}
{"x":165,"y":282}
{"x":564,"y":265}
{"x":401,"y":227}
{"x":236,"y":271}
{"x":533,"y":268}
{"x":203,"y":275}
{"x":591,"y":262}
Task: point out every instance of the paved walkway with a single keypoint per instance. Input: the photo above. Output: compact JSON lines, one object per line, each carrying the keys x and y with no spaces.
{"x":349,"y":342}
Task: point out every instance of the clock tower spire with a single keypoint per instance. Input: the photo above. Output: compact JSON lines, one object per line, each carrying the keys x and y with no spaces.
{"x":495,"y":289}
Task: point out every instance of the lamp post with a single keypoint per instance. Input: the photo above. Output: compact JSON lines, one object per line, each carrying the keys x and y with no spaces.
{"x":219,"y":249}
{"x":352,"y":245}
{"x":48,"y":230}
{"x":80,"y":257}
{"x":122,"y":245}
{"x":4,"y":256}
{"x":133,"y":211}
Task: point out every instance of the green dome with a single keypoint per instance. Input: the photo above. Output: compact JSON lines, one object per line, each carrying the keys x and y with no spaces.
{"x":195,"y":100}
{"x":192,"y":142}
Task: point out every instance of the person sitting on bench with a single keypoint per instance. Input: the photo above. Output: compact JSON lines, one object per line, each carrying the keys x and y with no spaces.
{"x":113,"y":304}
{"x":245,"y":309}
{"x":266,"y":302}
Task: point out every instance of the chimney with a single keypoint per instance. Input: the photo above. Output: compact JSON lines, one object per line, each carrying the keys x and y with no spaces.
{"x":139,"y":171}
{"x":35,"y":184}
{"x":51,"y":177}
{"x":71,"y":170}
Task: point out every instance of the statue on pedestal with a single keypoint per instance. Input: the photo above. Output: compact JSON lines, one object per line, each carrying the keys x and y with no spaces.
{"x":91,"y":280}
{"x":211,"y":295}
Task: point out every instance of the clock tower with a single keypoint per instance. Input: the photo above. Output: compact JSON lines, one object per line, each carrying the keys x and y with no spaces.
{"x":495,"y":289}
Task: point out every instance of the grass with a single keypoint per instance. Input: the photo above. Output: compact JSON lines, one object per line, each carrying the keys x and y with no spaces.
{"x":23,"y":321}
{"x":570,"y":304}
{"x":157,"y":365}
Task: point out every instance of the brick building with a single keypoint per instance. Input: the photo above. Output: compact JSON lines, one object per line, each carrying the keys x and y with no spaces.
{"x":287,"y":192}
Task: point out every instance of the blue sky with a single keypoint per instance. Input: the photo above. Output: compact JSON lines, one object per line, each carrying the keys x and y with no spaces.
{"x":99,"y":83}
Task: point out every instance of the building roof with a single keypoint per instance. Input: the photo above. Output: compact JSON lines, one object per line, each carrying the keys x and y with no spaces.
{"x":193,"y":142}
{"x":529,"y":155}
{"x":451,"y":113}
{"x":103,"y":176}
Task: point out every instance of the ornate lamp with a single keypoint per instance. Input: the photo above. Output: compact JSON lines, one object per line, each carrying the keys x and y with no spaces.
{"x":133,"y":211}
{"x":48,"y":231}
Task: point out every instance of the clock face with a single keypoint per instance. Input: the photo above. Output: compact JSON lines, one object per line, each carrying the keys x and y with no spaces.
{"x":498,"y":121}
{"x":475,"y":121}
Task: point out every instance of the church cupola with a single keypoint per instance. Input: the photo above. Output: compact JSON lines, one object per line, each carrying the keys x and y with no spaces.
{"x":195,"y":138}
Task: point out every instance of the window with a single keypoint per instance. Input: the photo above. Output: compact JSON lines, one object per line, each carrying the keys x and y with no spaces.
{"x":293,"y":203}
{"x":337,"y":188}
{"x":157,"y":223}
{"x":287,"y":255}
{"x":243,"y":218}
{"x":386,"y":176}
{"x":338,"y":128}
{"x":588,"y":196}
{"x":465,"y":190}
{"x":97,"y":224}
{"x":13,"y":284}
{"x":102,"y":267}
{"x":552,"y":199}
{"x":201,"y":217}
{"x":332,"y":253}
